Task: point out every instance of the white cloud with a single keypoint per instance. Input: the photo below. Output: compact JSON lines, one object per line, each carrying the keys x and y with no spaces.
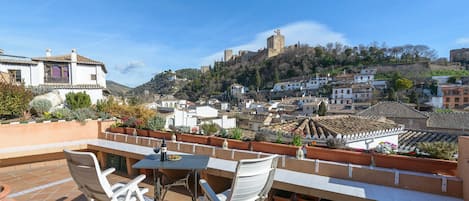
{"x":462,"y":41}
{"x":308,"y":32}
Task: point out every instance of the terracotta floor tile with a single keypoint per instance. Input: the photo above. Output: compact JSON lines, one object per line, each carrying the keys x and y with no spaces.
{"x":26,"y":177}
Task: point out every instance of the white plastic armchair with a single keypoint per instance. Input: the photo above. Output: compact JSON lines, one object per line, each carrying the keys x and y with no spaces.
{"x":85,"y":170}
{"x":252,"y":181}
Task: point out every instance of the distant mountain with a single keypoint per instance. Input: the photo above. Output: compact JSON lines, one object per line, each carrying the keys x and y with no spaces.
{"x":117,"y":89}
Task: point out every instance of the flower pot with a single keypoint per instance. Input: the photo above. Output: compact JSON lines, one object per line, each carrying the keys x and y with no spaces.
{"x":232,"y":143}
{"x":160,"y":135}
{"x":142,"y":132}
{"x":428,"y":165}
{"x":275,"y":148}
{"x":199,"y":139}
{"x":338,"y":155}
{"x":129,"y":131}
{"x":116,"y":130}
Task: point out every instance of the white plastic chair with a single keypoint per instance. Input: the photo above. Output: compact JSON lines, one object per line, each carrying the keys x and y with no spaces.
{"x":84,"y":168}
{"x":252,"y":181}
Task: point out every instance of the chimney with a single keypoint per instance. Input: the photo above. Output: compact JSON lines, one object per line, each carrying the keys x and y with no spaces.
{"x":48,"y":52}
{"x":73,"y":55}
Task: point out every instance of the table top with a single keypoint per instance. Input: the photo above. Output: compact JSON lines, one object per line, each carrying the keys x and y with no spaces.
{"x":187,"y":162}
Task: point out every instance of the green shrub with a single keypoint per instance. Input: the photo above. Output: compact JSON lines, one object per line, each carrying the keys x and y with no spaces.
{"x":39,"y":106}
{"x":129,"y":122}
{"x":78,"y":100}
{"x":84,"y":113}
{"x":104,"y":115}
{"x":237,"y":133}
{"x":209,"y":128}
{"x":297,"y":140}
{"x":440,"y":150}
{"x":14,"y":100}
{"x":63,"y":113}
{"x":279,"y":138}
{"x":156,"y":123}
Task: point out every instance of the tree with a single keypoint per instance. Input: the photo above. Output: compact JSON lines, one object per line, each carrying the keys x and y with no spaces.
{"x":392,"y":95}
{"x":258,"y":79}
{"x":403,"y":84}
{"x":276,"y":76}
{"x":413,"y":98}
{"x":322,"y":109}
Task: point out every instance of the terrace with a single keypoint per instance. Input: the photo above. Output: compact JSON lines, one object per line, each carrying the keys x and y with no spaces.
{"x":32,"y":165}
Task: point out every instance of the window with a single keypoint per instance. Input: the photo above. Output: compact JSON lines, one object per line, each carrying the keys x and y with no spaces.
{"x":466,"y":99}
{"x":448,"y":99}
{"x":15,"y":75}
{"x":56,"y":73}
{"x":456,"y":100}
{"x":93,"y":76}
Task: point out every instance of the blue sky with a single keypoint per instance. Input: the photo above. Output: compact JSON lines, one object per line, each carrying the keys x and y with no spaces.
{"x":137,"y":39}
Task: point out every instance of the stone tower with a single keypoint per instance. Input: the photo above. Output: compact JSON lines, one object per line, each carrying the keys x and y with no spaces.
{"x":459,"y":55}
{"x":275,"y":44}
{"x":228,"y":55}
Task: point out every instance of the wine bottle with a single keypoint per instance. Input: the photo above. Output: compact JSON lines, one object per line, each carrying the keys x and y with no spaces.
{"x":163,"y":151}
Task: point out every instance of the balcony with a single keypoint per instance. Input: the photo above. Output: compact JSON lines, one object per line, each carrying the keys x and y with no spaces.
{"x":33,"y":166}
{"x":55,"y":80}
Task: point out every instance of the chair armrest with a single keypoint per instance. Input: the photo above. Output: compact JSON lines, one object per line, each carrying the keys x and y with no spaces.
{"x":208,"y":191}
{"x":130,"y":184}
{"x":108,"y":171}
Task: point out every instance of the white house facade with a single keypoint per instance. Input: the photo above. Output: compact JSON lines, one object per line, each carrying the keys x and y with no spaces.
{"x":64,"y":73}
{"x":287,"y":86}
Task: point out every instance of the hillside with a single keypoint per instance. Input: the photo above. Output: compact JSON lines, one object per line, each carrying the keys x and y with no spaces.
{"x":300,"y":62}
{"x":164,"y":83}
{"x":117,"y":89}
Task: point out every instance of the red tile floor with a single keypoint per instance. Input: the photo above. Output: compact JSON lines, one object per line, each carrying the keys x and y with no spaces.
{"x":52,"y":181}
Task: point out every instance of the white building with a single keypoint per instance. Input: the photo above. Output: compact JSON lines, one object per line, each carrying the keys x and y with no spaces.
{"x":342,"y":95}
{"x":365,"y":76}
{"x":287,"y":86}
{"x":206,"y":112}
{"x":223,"y":122}
{"x":64,"y":73}
{"x":347,"y":94}
{"x":317,"y":82}
{"x":238,"y":90}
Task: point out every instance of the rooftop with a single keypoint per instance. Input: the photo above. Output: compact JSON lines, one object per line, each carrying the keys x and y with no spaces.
{"x":319,"y":127}
{"x":393,"y":110}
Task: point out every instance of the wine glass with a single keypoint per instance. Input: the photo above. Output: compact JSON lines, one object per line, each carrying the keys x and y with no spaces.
{"x":156,"y":149}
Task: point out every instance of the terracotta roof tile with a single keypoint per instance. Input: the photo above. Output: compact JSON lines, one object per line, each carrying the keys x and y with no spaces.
{"x":392,"y":109}
{"x":408,"y":140}
{"x":67,"y":58}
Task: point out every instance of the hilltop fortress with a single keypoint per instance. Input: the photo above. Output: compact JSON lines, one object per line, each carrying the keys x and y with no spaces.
{"x":275,"y":46}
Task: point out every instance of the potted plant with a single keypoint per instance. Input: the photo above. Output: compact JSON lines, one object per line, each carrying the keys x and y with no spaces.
{"x":235,"y":141}
{"x":116,"y":128}
{"x":141,"y":129}
{"x":129,"y":124}
{"x":156,"y":125}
